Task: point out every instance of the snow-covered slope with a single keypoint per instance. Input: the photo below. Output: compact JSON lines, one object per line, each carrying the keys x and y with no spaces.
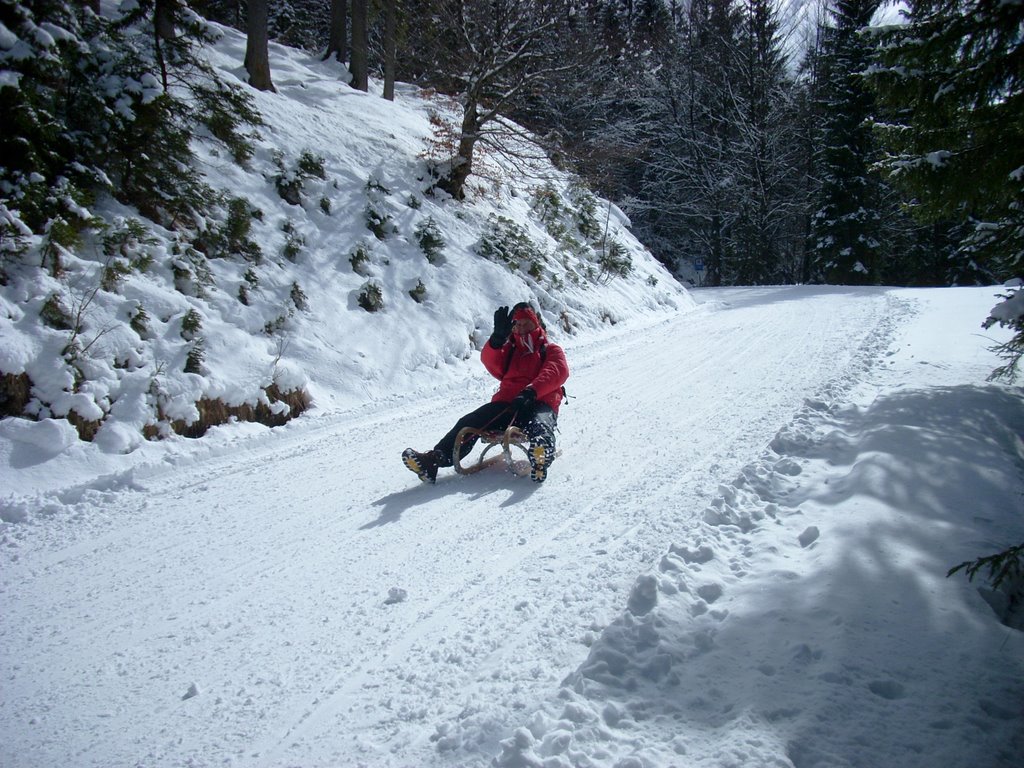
{"x":300,"y":325}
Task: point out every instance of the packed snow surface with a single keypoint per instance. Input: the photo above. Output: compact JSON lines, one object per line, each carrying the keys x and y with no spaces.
{"x":739,"y":559}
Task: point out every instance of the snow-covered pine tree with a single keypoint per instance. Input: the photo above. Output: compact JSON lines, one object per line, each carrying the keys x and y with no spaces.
{"x":100,"y":105}
{"x":631,"y":133}
{"x":683,"y":112}
{"x":953,"y":80}
{"x":763,"y":158}
{"x":844,"y":245}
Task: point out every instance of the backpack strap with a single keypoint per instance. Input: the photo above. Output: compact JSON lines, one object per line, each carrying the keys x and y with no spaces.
{"x":543,"y":357}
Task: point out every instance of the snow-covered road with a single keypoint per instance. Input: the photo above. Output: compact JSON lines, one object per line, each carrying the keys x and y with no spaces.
{"x":303,"y":600}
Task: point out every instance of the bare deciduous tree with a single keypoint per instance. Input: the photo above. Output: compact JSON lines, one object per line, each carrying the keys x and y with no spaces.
{"x":492,"y":53}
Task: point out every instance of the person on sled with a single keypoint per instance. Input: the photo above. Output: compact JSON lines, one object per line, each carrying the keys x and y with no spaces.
{"x":532,"y":371}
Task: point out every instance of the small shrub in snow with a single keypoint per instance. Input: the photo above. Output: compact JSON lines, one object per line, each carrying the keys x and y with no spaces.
{"x":507,"y":242}
{"x":585,"y":212}
{"x":289,"y":187}
{"x":14,"y":240}
{"x":55,"y":315}
{"x":428,"y":235}
{"x":378,"y":222}
{"x":299,"y":298}
{"x":196,"y":355}
{"x":64,"y":233}
{"x":419,"y":293}
{"x":548,"y":205}
{"x":614,"y":261}
{"x":227,"y":111}
{"x":289,"y":182}
{"x":1001,"y":568}
{"x":231,"y":238}
{"x":1009,"y":313}
{"x":294,"y":242}
{"x":1004,"y":572}
{"x":191,"y":325}
{"x":273,"y":326}
{"x":130,"y":239}
{"x":371,"y":297}
{"x":375,"y":189}
{"x":249,"y":280}
{"x":139,"y":322}
{"x":239,"y":221}
{"x":192,"y":275}
{"x":311,"y":165}
{"x":360,"y":261}
{"x":114,"y":273}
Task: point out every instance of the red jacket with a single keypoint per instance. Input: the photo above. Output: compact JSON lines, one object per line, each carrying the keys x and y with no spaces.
{"x":516,"y":367}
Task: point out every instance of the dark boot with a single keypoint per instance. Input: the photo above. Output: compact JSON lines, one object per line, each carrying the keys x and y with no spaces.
{"x":423,"y":464}
{"x":541,"y":453}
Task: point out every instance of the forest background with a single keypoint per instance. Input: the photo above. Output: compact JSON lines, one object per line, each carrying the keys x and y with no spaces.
{"x":761,"y":141}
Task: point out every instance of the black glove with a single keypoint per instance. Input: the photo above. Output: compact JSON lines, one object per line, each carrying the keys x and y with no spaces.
{"x":524,"y":399}
{"x":502,"y":326}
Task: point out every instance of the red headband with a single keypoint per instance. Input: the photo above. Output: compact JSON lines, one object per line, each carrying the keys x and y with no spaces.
{"x":526,"y":312}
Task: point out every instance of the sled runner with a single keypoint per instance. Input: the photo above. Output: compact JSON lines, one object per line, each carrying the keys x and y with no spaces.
{"x":513,"y":437}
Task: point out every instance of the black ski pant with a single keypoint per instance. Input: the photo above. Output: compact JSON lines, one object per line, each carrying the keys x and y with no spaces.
{"x":538,"y":421}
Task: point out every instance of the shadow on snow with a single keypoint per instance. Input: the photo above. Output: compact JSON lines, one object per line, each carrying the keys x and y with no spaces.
{"x":828,"y":660}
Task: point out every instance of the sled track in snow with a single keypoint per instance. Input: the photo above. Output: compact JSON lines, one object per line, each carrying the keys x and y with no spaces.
{"x":675,"y":488}
{"x":286,"y":554}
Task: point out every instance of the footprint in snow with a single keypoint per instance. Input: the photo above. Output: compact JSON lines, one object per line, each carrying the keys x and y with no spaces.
{"x":702,"y":554}
{"x":809,"y":536}
{"x":710,"y":592}
{"x":787,"y":466}
{"x":396,"y":595}
{"x":887,"y":689}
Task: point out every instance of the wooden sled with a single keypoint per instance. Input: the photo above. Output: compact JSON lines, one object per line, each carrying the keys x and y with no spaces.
{"x":513,"y":437}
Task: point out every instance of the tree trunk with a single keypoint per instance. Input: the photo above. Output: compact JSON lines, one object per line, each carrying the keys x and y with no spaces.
{"x":337,"y":40}
{"x":454,"y":183}
{"x":163,"y":29}
{"x":390,"y":14}
{"x":358,"y":65}
{"x":257,"y":58}
{"x":163,"y":17}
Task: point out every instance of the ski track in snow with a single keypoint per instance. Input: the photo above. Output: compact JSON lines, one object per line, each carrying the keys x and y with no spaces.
{"x":338,"y":611}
